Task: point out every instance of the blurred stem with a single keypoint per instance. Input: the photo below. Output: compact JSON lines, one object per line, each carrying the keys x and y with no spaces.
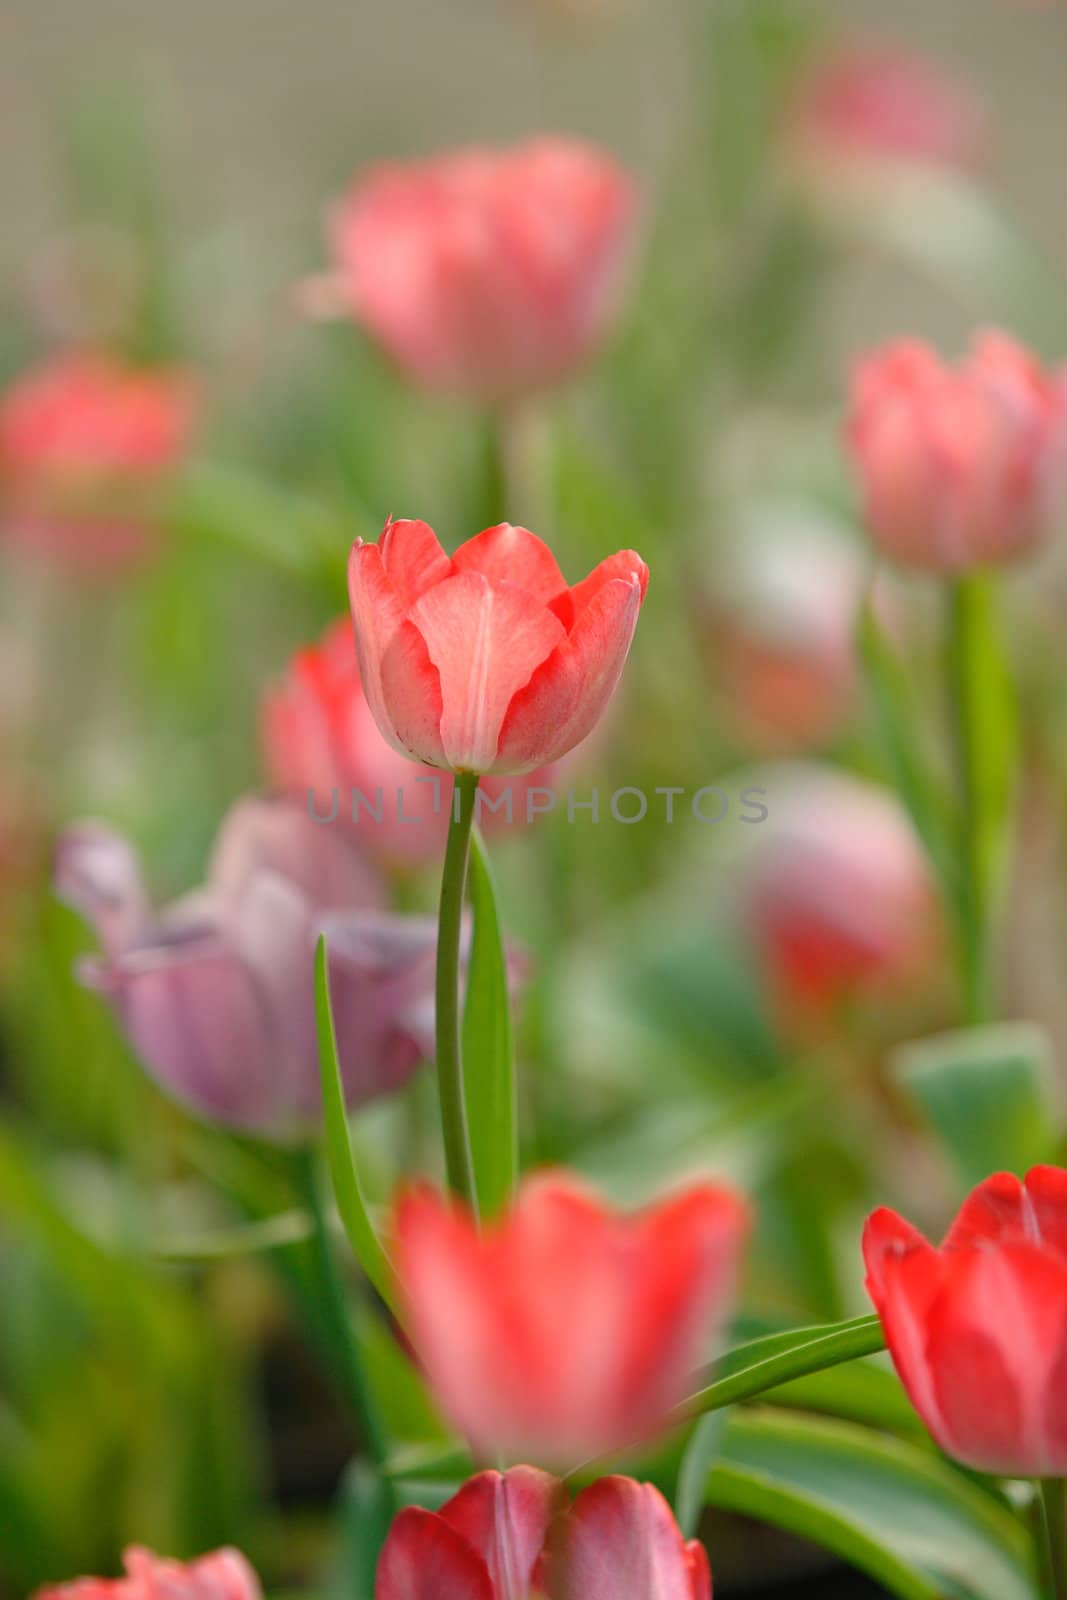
{"x":1053,"y":1503}
{"x":333,"y":1308}
{"x":454,"y":1126}
{"x":516,"y":471}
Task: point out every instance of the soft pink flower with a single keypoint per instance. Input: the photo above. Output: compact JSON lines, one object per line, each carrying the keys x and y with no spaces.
{"x":958,"y":466}
{"x":216,"y":991}
{"x":85,"y":445}
{"x":322,"y":743}
{"x":223,"y":1575}
{"x":487,"y":273}
{"x":511,"y":1536}
{"x":488,"y":661}
{"x":567,"y":1329}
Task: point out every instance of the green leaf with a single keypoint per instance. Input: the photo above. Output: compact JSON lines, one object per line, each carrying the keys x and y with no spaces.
{"x":701,"y":1450}
{"x":348,"y":1191}
{"x":488,"y":1059}
{"x":761,"y":1364}
{"x":908,"y":1519}
{"x":367,"y":1508}
{"x":988,"y":1094}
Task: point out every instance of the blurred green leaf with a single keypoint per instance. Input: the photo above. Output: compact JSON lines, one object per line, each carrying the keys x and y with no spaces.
{"x":702,"y":1448}
{"x":488,"y":1060}
{"x":367,"y":1509}
{"x":762,"y":1364}
{"x":988,"y":1095}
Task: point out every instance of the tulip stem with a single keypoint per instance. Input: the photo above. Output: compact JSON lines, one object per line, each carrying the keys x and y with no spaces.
{"x":455,"y":1129}
{"x":1053,"y":1505}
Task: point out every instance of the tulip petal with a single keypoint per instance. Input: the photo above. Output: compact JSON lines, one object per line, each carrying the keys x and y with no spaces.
{"x":624,"y":564}
{"x":508,"y":554}
{"x":425,"y":1559}
{"x":98,"y":873}
{"x":278,"y":837}
{"x":411,"y":694}
{"x":377,"y":615}
{"x":505,"y":1517}
{"x":620,"y":1542}
{"x":570,"y":689}
{"x":412,"y":558}
{"x":485,"y":641}
{"x":904,"y":1276}
{"x":699,"y":1570}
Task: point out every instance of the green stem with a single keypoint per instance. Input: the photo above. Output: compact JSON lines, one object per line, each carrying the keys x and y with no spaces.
{"x":333,"y":1309}
{"x":454,"y":1127}
{"x":1053,"y":1502}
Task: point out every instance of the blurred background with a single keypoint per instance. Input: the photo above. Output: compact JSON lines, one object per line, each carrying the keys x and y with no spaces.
{"x":697,"y":995}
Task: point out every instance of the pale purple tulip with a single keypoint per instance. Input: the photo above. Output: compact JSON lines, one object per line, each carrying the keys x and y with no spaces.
{"x":216,"y":991}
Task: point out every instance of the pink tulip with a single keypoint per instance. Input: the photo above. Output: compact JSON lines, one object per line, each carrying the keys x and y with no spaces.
{"x":958,"y":466}
{"x":978,"y":1329}
{"x":511,"y":1536}
{"x":216,"y":992}
{"x":223,"y":1575}
{"x":322,"y":744}
{"x":566,"y":1330}
{"x":85,"y":445}
{"x":489,"y":274}
{"x":488,"y":662}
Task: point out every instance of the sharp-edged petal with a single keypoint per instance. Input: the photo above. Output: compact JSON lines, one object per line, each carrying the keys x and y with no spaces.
{"x":620,"y":1542}
{"x":424,"y":1559}
{"x":412,"y":558}
{"x":508,"y":554}
{"x":506,"y":1518}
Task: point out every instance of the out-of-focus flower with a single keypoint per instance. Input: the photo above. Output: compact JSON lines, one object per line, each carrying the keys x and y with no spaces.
{"x":86,"y":445}
{"x":837,"y":889}
{"x":976,"y":1328}
{"x":511,"y":1536}
{"x":867,"y":109}
{"x":216,"y":991}
{"x":490,"y":274}
{"x":780,"y":631}
{"x":223,"y":1575}
{"x":959,"y":466}
{"x":322,"y":743}
{"x":566,"y":1330}
{"x":487,"y":661}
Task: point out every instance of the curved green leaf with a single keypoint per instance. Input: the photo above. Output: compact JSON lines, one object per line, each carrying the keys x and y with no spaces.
{"x":751,"y":1369}
{"x":488,"y":1060}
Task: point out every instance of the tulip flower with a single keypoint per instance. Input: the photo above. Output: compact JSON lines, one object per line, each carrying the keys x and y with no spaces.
{"x":483,"y":273}
{"x":511,"y":1536}
{"x":976,"y":1328}
{"x":322,"y":743}
{"x":223,"y":1575}
{"x":866,"y":108}
{"x":958,"y":467}
{"x":565,"y":1330}
{"x":85,"y":446}
{"x":216,"y":992}
{"x":487,"y":661}
{"x":837,"y":890}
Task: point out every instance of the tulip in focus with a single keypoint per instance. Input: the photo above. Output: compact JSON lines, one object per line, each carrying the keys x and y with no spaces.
{"x":958,"y":466}
{"x":511,"y":1536}
{"x":490,"y":274}
{"x":487,"y":662}
{"x":321,"y":742}
{"x":86,"y":446}
{"x":837,"y":889}
{"x":566,"y":1330}
{"x":976,"y":1328}
{"x":223,"y":1575}
{"x":216,"y":992}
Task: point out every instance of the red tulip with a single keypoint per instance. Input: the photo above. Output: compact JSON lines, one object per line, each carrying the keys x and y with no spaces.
{"x":223,"y":1575}
{"x":511,"y":1536}
{"x":566,"y":1330}
{"x":978,"y":1329}
{"x":487,"y":273}
{"x":488,"y":662}
{"x":322,"y":743}
{"x":85,"y":444}
{"x":958,"y":466}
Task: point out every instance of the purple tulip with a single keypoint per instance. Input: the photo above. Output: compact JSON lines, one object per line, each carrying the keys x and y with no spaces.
{"x":216,"y":991}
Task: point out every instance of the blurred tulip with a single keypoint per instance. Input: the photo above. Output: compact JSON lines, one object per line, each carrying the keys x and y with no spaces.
{"x":85,"y":444}
{"x":976,"y":1329}
{"x":566,"y":1330}
{"x":489,"y":274}
{"x":868,"y":107}
{"x":780,"y":634}
{"x":488,"y":661}
{"x":223,"y":1575}
{"x":322,"y":743}
{"x":837,"y":888}
{"x":959,"y":467}
{"x":216,"y":991}
{"x":510,"y":1536}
